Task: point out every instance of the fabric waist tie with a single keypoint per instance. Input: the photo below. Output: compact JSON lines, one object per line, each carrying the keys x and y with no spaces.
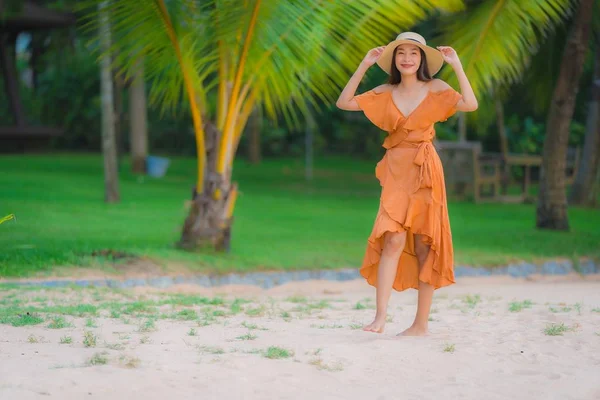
{"x":421,"y":159}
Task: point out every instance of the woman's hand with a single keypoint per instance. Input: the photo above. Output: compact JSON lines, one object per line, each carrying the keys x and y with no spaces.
{"x":449,"y":55}
{"x":373,"y":55}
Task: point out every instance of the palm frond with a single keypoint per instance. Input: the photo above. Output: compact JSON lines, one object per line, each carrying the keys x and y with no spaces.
{"x":496,"y":38}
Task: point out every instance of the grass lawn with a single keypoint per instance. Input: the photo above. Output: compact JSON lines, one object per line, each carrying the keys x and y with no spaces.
{"x":281,"y":220}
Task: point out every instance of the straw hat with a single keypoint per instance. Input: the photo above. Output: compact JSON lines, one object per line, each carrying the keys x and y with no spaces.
{"x":434,"y":56}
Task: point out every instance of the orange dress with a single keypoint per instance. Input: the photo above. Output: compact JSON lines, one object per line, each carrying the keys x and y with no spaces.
{"x":413,"y":195}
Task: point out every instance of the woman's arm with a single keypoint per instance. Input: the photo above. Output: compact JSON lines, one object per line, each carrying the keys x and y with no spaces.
{"x":468,"y":101}
{"x":346,"y":100}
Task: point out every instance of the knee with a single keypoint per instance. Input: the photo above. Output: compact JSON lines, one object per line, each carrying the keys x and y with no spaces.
{"x":394,"y":242}
{"x":422,"y":253}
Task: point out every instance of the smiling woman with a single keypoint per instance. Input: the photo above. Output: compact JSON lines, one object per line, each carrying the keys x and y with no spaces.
{"x":410,"y":245}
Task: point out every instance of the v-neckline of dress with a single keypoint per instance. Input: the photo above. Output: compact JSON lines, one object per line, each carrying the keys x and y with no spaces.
{"x":414,"y":110}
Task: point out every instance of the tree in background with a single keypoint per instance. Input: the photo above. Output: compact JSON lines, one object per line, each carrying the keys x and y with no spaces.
{"x":584,"y":188}
{"x":109,"y":144}
{"x":552,"y":200}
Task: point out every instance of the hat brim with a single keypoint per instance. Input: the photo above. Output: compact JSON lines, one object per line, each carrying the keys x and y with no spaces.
{"x":435,"y":61}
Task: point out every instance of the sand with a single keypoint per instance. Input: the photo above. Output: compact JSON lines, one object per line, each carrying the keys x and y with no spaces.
{"x":490,"y":339}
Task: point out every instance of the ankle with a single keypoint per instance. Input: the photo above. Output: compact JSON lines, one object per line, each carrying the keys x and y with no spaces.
{"x":380,"y":315}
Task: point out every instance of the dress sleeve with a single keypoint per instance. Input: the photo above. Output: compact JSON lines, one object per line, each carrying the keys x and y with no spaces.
{"x":374,"y":106}
{"x":446,"y":103}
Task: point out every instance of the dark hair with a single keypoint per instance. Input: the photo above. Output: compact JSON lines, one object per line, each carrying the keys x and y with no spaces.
{"x":422,"y":73}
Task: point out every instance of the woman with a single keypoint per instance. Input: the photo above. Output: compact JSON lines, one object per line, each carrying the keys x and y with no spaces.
{"x":411,"y":244}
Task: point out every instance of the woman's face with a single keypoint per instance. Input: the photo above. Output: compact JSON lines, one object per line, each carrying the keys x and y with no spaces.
{"x":408,"y":59}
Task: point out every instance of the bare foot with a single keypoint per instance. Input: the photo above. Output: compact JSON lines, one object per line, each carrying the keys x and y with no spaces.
{"x":414,"y":331}
{"x":376,"y":326}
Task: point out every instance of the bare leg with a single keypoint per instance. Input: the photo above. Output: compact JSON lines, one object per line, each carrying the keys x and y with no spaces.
{"x":420,"y":325}
{"x":386,"y":274}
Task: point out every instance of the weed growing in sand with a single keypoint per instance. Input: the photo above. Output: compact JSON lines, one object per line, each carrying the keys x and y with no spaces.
{"x":253,"y":326}
{"x":597,"y":309}
{"x":14,"y":319}
{"x":472,"y":301}
{"x":255,"y":312}
{"x":66,"y":340}
{"x":334,"y":326}
{"x":433,"y":311}
{"x":211,"y":349}
{"x":297,"y":299}
{"x":59,"y":323}
{"x":192,"y":332}
{"x":321,"y":305}
{"x":359,"y":306}
{"x":517,"y":306}
{"x":247,"y":336}
{"x":430,"y":319}
{"x":139,"y":307}
{"x":449,"y":348}
{"x":564,"y":308}
{"x":321,"y":366}
{"x":275,"y":352}
{"x":32,"y":339}
{"x":389,"y":318}
{"x":115,"y":314}
{"x":114,"y":346}
{"x":578,"y":308}
{"x":148,"y":326}
{"x":80,"y":310}
{"x":129,"y":362}
{"x":286,"y":316}
{"x":186,"y":315}
{"x":98,"y":359}
{"x":89,"y":339}
{"x":218,"y":313}
{"x":191,"y":300}
{"x":145,"y":339}
{"x":556,"y":329}
{"x":236,"y":306}
{"x":91,"y":323}
{"x":355,"y":326}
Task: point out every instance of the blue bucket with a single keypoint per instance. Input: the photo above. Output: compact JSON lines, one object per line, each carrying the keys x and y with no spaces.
{"x":157,"y":166}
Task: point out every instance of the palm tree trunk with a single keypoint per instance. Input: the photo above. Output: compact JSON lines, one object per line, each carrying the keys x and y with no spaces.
{"x":254,"y":148}
{"x":552,"y":200}
{"x":109,"y":150}
{"x":503,"y":143}
{"x":139,"y":124}
{"x":210,"y":219}
{"x":582,"y":192}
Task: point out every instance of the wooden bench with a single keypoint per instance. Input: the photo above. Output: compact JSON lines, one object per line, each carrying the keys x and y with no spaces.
{"x":465,"y":164}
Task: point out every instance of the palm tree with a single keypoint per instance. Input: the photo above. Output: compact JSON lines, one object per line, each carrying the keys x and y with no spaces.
{"x":496,"y":39}
{"x":552,"y":200}
{"x":109,"y":146}
{"x":583,"y":191}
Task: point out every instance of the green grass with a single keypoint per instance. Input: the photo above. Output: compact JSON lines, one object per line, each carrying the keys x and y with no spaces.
{"x":59,"y":322}
{"x":517,"y":306}
{"x":274,"y":352}
{"x":556,"y":329}
{"x":449,"y":348}
{"x":19,"y":319}
{"x":66,"y":340}
{"x":282,"y":221}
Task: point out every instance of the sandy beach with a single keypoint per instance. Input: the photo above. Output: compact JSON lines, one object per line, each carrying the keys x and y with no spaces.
{"x":491,"y":338}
